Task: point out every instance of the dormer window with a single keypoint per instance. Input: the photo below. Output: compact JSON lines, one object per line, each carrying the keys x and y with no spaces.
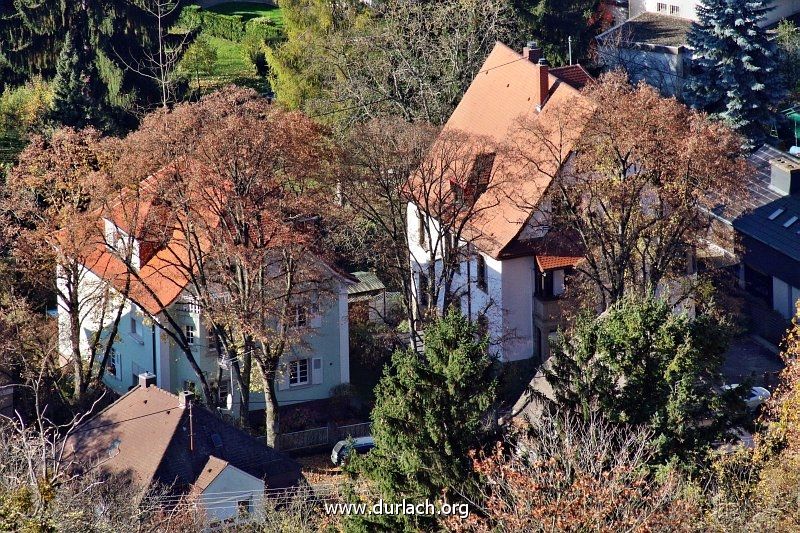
{"x":481,"y":173}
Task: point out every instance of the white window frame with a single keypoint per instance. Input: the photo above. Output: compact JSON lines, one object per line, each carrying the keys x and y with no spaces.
{"x":113,"y":361}
{"x":189,"y":330}
{"x":661,"y":7}
{"x":674,"y":10}
{"x":295,"y":372}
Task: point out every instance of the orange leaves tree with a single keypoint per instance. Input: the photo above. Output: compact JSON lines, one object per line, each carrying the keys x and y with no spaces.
{"x":637,"y":177}
{"x":49,"y":205}
{"x":245,"y":191}
{"x":575,"y":475}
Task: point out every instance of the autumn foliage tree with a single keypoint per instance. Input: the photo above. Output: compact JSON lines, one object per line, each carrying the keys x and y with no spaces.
{"x":49,"y":203}
{"x":576,"y":475}
{"x":246,"y":188}
{"x":636,"y":184}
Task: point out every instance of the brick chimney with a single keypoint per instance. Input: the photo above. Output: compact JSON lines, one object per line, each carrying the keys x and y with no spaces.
{"x":532,"y":52}
{"x":185,"y":399}
{"x":542,"y":83}
{"x":147,"y":379}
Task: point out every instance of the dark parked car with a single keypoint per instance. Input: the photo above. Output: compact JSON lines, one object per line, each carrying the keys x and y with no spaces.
{"x":343,"y":448}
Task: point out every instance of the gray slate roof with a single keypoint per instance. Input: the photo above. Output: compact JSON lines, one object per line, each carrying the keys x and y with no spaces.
{"x":782,"y":233}
{"x":367,"y":282}
{"x":756,"y":192}
{"x":654,"y":29}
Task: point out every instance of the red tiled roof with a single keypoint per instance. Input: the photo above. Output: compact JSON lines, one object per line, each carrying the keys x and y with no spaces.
{"x":575,"y":75}
{"x":549,"y":262}
{"x":500,"y":96}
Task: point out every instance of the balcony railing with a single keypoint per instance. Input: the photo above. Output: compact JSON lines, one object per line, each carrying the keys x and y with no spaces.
{"x":187,"y":307}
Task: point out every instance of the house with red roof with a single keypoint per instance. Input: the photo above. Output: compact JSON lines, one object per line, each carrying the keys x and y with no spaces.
{"x":515,"y":270}
{"x":152,"y":438}
{"x":160,"y":297}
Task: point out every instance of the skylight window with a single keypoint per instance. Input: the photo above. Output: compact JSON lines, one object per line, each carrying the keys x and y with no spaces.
{"x":775,"y":214}
{"x":790,"y":222}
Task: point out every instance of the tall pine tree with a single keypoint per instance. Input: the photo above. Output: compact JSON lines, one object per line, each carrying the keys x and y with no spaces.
{"x":79,"y":96}
{"x":430,"y":411}
{"x":735,"y":74}
{"x":115,"y":33}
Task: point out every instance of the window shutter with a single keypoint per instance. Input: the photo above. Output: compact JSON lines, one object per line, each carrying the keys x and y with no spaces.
{"x":283,"y":377}
{"x":316,"y":371}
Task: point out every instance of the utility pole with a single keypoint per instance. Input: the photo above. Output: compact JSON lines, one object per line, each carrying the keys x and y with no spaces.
{"x":569,"y":44}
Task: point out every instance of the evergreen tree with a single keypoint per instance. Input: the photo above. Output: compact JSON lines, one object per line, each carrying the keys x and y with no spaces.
{"x":116,"y":33}
{"x":735,"y":74}
{"x":640,"y":363}
{"x":429,"y":413}
{"x":79,"y":96}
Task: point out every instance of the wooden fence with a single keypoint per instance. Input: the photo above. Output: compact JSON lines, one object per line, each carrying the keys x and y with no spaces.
{"x":321,"y":436}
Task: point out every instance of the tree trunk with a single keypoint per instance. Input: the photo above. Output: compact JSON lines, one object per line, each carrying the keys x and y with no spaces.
{"x":271,"y":413}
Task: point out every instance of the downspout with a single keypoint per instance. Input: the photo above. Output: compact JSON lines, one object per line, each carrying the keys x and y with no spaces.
{"x":153,"y":330}
{"x":469,"y":284}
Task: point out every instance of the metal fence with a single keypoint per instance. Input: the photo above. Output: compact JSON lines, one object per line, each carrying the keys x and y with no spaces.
{"x":321,"y":436}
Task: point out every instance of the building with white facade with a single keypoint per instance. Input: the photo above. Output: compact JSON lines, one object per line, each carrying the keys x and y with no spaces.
{"x":514,"y":269}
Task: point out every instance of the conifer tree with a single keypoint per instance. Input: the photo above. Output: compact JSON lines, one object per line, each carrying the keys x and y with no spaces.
{"x":430,"y":412}
{"x":116,"y":34}
{"x":640,"y":363}
{"x":79,"y":97}
{"x":735,"y":74}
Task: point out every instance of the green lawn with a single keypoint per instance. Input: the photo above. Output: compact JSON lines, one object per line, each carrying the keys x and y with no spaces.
{"x":248,"y":10}
{"x":232,"y":66}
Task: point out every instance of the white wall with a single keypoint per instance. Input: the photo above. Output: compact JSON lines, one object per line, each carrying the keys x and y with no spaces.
{"x":231,"y":486}
{"x":518,"y":279}
{"x":782,"y":8}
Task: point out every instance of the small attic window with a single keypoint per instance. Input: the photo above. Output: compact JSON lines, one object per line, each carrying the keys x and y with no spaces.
{"x":113,"y":448}
{"x":790,"y":222}
{"x":775,"y":214}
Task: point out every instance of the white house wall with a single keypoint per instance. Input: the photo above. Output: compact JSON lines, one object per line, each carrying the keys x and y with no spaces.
{"x":219,"y":499}
{"x":518,"y":287}
{"x":688,"y":8}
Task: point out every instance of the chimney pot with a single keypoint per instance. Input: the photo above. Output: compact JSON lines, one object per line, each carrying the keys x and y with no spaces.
{"x":532,"y":52}
{"x":185,"y":399}
{"x":146,"y":379}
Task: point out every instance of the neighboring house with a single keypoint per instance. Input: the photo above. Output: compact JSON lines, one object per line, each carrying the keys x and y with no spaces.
{"x":515,"y":271}
{"x":149,"y":437}
{"x":7,"y":396}
{"x":652,"y":44}
{"x":366,"y":299}
{"x":141,"y":344}
{"x":757,"y":237}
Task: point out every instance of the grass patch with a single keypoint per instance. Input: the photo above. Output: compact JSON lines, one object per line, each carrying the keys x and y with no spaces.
{"x":232,"y":66}
{"x":248,"y":10}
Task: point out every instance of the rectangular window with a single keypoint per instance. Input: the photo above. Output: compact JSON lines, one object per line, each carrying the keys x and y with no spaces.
{"x":481,"y":173}
{"x":190,"y":334}
{"x":483,"y":325}
{"x":223,"y":389}
{"x":661,"y":7}
{"x":424,"y":287}
{"x":112,"y":364}
{"x":421,"y":222}
{"x":298,"y":372}
{"x":481,"y":272}
{"x":297,"y":316}
{"x":134,"y":327}
{"x":674,"y":10}
{"x":244,"y":507}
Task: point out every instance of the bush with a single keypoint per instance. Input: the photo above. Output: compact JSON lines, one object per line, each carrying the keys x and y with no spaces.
{"x":231,"y":27}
